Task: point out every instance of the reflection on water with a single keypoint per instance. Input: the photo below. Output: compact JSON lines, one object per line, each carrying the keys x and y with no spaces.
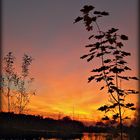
{"x":86,"y":136}
{"x":102,"y":136}
{"x":93,"y":136}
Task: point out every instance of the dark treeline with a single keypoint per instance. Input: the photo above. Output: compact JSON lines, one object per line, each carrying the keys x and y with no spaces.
{"x":22,"y":125}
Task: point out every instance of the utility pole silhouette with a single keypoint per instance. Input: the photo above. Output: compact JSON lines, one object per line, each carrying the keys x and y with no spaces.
{"x":78,"y":117}
{"x":73,"y":112}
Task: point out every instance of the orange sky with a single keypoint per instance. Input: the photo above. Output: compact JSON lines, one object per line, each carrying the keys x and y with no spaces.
{"x":56,"y":46}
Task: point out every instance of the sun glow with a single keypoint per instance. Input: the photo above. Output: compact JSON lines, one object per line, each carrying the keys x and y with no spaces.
{"x":56,"y":46}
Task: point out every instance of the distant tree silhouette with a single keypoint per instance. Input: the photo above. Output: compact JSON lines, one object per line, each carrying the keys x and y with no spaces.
{"x":16,"y":86}
{"x":66,"y":118}
{"x":8,"y":77}
{"x":107,"y":46}
{"x":28,"y":125}
{"x":23,"y":81}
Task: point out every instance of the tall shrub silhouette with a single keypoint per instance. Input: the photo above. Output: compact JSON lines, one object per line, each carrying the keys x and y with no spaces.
{"x":8,"y":77}
{"x":16,"y":86}
{"x":107,"y":46}
{"x":23,"y":81}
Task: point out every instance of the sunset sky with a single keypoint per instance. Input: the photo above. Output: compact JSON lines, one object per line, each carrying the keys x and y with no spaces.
{"x":44,"y":29}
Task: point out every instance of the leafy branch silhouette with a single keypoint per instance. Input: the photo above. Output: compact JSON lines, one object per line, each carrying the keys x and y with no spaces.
{"x":108,"y":47}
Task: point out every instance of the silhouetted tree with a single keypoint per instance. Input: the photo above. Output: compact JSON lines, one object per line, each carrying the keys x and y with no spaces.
{"x":66,"y":118}
{"x":23,"y":81}
{"x":107,"y":46}
{"x":8,"y":77}
{"x":16,"y":86}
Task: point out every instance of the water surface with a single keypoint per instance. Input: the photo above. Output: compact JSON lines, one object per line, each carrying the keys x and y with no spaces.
{"x":93,"y":136}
